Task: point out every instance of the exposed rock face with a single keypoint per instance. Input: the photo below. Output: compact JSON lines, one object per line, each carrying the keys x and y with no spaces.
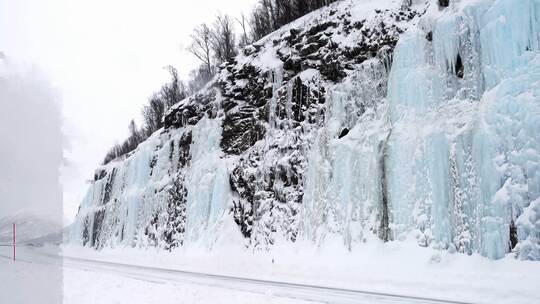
{"x":271,"y":115}
{"x":312,"y":133}
{"x":191,"y":110}
{"x":444,"y":3}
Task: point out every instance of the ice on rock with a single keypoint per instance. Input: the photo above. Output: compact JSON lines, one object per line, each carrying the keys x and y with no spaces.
{"x":461,"y":164}
{"x":435,"y":141}
{"x":454,"y":171}
{"x":342,"y":194}
{"x":117,"y":203}
{"x":411,"y":66}
{"x":509,"y":29}
{"x":134,"y":202}
{"x":208,"y":183}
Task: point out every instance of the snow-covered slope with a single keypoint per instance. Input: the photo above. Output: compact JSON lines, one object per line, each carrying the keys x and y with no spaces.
{"x":363,"y":121}
{"x":29,"y":227}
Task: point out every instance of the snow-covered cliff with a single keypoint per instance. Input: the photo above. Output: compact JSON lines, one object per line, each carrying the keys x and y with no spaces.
{"x":363,"y":121}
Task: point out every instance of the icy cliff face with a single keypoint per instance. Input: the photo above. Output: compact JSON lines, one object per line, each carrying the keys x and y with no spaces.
{"x":372,"y":120}
{"x":463,"y":154}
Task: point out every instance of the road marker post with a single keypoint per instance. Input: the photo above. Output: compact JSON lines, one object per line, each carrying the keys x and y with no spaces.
{"x":14,"y":242}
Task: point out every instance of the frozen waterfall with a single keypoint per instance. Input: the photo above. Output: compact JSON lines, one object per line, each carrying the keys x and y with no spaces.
{"x":435,"y":141}
{"x":461,"y":168}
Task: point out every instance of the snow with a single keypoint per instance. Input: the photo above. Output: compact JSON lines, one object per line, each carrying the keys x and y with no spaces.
{"x":398,"y":267}
{"x":268,"y":59}
{"x":379,"y":267}
{"x":87,"y":287}
{"x":33,"y":282}
{"x":28,"y":283}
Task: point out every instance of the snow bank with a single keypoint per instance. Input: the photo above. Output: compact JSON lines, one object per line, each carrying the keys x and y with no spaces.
{"x":395,"y":267}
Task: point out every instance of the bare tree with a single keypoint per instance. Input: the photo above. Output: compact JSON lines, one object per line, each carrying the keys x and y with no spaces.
{"x":269,"y":15}
{"x":224,"y":39}
{"x":201,"y":46}
{"x":213,"y":44}
{"x":169,"y":94}
{"x":244,"y":40}
{"x":153,"y":114}
{"x":259,"y":23}
{"x":173,"y":92}
{"x":198,"y":79}
{"x":134,"y":134}
{"x":130,"y":144}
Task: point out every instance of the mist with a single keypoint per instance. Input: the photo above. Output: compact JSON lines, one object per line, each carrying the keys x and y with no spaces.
{"x":30,"y":143}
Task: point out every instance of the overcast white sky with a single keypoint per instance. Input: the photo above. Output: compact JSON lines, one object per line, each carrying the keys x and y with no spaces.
{"x":106,"y":57}
{"x":30,"y":144}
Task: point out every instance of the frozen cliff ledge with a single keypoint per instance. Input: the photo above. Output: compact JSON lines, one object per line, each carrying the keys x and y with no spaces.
{"x":358,"y":122}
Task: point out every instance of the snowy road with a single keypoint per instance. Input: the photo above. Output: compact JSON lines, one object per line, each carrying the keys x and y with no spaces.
{"x":291,"y":291}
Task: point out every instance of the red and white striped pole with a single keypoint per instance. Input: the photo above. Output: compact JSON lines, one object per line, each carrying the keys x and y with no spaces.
{"x":14,"y":242}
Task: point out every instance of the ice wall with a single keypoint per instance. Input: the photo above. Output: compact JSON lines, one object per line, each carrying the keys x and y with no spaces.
{"x":209,"y":194}
{"x":343,"y":188}
{"x":172,"y":190}
{"x":435,"y":140}
{"x":449,"y":155}
{"x":463,"y":156}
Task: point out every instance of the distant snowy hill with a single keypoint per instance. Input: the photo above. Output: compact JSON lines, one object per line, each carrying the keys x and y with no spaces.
{"x":29,"y":227}
{"x":363,"y":121}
